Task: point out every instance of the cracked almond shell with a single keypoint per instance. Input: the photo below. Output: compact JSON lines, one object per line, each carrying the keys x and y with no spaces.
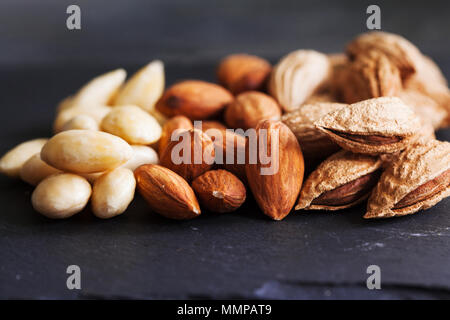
{"x":314,"y":143}
{"x":397,"y":49}
{"x":374,"y":126}
{"x":417,"y":180}
{"x":341,"y":181}
{"x":371,"y":75}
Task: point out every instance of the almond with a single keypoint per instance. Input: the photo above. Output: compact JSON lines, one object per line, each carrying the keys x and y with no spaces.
{"x":276,"y":193}
{"x":229,"y":151}
{"x":243,"y":72}
{"x":219,"y":191}
{"x":178,"y":122}
{"x":212,"y":124}
{"x":249,"y":108}
{"x":197,"y":100}
{"x":166,"y":192}
{"x":199,"y":156}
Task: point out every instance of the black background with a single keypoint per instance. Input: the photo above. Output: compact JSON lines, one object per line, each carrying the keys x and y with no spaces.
{"x":238,"y":255}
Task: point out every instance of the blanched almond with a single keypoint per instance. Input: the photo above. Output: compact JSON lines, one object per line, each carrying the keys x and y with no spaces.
{"x":141,"y":155}
{"x":144,"y":88}
{"x":96,"y":112}
{"x":100,"y":90}
{"x":85,"y":151}
{"x":14,"y":159}
{"x":112,"y":193}
{"x":35,"y":170}
{"x":61,"y":196}
{"x":132,"y":124}
{"x":81,"y":122}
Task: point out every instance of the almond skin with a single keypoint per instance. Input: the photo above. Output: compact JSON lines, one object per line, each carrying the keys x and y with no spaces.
{"x":166,"y":192}
{"x":197,"y":100}
{"x":219,"y":191}
{"x":243,"y":72}
{"x":212,"y":124}
{"x":276,"y":193}
{"x":201,"y":149}
{"x":249,"y":108}
{"x":178,"y":122}
{"x":237,"y":144}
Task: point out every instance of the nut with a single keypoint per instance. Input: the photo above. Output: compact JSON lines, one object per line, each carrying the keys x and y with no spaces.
{"x":81,"y":122}
{"x":144,"y":88}
{"x":371,"y":75}
{"x":141,"y":155}
{"x":211,"y":124}
{"x":249,"y":108}
{"x":297,"y":76}
{"x":197,"y":100}
{"x":415,"y":180}
{"x":97,"y":112}
{"x":219,"y":191}
{"x":402,"y":53}
{"x":61,"y":196}
{"x":112,"y":193}
{"x":100,"y":90}
{"x":374,"y":126}
{"x":132,"y":124}
{"x":35,"y":170}
{"x":196,"y":156}
{"x":315,"y":144}
{"x":243,"y":72}
{"x":166,"y":192}
{"x":85,"y":151}
{"x":231,"y":146}
{"x":341,"y":181}
{"x":178,"y":122}
{"x":277,"y":192}
{"x":14,"y":159}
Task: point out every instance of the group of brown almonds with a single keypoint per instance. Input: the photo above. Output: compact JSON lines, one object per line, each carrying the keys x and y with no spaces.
{"x":367,"y":116}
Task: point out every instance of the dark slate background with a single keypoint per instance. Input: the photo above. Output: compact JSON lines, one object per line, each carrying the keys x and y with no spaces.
{"x":238,"y":255}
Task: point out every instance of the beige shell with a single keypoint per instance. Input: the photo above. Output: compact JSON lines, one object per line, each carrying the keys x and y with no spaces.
{"x":297,"y":76}
{"x":415,"y":166}
{"x":337,"y":170}
{"x":425,"y":107}
{"x":398,"y":50}
{"x":371,"y":75}
{"x":429,"y":81}
{"x":385,"y":117}
{"x":314,"y":143}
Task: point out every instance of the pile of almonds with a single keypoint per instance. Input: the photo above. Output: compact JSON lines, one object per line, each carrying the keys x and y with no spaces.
{"x":361,"y":122}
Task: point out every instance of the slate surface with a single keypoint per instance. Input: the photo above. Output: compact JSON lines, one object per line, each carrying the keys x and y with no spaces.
{"x":238,"y":255}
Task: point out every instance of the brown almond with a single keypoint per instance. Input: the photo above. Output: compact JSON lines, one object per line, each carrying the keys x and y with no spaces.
{"x":276,"y":193}
{"x":349,"y":192}
{"x":197,"y":100}
{"x":243,"y":72}
{"x":200,"y":159}
{"x":371,"y":75}
{"x":426,"y":190}
{"x":219,"y":191}
{"x":249,"y":108}
{"x":226,"y":142}
{"x":212,"y":124}
{"x":166,"y":192}
{"x":178,"y":122}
